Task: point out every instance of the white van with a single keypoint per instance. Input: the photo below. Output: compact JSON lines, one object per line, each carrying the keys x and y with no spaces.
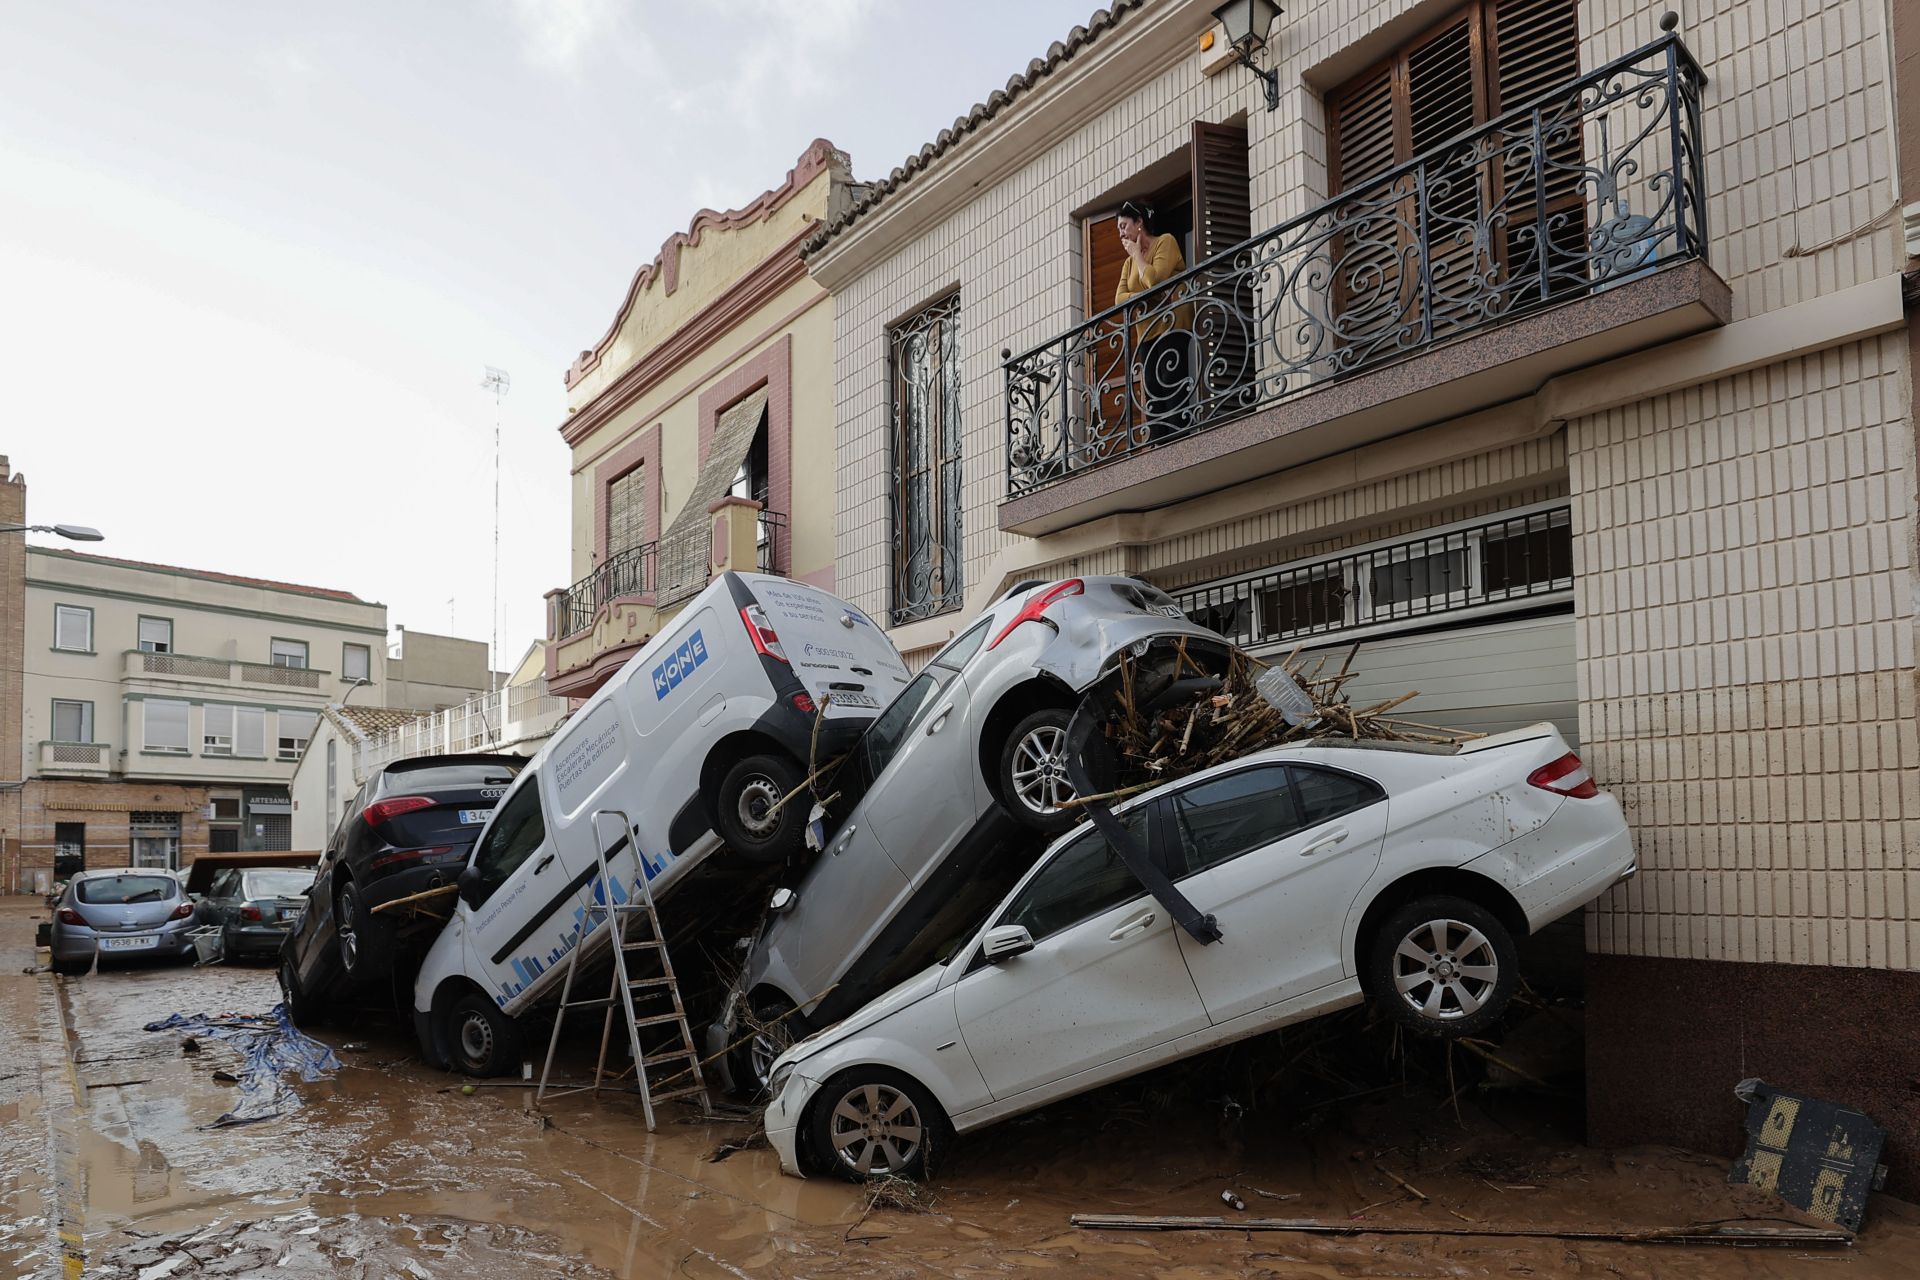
{"x":694,"y":740}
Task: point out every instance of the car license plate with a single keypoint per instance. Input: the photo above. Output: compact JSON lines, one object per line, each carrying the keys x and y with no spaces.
{"x":1170,"y":610}
{"x":129,"y":944}
{"x":474,"y":816}
{"x":845,"y":699}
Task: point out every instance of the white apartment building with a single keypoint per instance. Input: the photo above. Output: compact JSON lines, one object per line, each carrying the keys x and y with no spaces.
{"x":164,"y":709}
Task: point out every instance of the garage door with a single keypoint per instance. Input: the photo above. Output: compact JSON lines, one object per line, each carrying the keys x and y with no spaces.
{"x":1488,"y":678}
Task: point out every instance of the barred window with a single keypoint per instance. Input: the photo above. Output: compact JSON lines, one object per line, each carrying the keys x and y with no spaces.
{"x":927,"y":577}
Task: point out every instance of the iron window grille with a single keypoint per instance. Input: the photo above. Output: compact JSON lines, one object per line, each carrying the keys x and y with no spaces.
{"x":926,"y":435}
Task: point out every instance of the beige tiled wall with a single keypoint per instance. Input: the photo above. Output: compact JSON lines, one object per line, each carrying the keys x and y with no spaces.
{"x":1745,"y":590}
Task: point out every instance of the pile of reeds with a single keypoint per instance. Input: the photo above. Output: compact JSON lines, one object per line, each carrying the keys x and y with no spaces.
{"x":1152,"y":740}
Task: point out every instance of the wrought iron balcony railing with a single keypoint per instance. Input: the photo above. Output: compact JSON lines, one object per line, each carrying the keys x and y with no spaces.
{"x":1590,"y":185}
{"x":625,"y":573}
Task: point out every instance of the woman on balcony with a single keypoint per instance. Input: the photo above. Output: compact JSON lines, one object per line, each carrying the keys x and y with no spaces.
{"x":1162,"y":326}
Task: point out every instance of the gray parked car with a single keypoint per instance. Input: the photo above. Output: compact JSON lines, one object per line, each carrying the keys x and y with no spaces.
{"x":125,"y":912}
{"x":964,"y":775}
{"x":255,"y":907}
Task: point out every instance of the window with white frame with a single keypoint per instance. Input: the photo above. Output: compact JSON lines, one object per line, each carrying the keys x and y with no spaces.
{"x":356,"y":662}
{"x":73,"y":628}
{"x":166,"y":726}
{"x":72,"y":720}
{"x":289,"y":653}
{"x":216,"y":730}
{"x":295,"y":729}
{"x":156,"y":635}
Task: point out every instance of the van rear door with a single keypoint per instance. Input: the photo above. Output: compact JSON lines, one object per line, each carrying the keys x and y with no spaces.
{"x":832,"y":646}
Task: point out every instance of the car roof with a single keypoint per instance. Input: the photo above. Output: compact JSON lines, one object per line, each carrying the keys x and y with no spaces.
{"x":101,"y":873}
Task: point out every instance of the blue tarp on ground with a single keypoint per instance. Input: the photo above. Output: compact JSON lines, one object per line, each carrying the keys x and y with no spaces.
{"x":270,"y":1047}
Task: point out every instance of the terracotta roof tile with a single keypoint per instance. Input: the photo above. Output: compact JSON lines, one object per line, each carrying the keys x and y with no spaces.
{"x":366,"y":722}
{"x":982,"y":112}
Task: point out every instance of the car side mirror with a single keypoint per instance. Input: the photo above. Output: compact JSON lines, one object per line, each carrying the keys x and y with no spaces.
{"x":1005,"y":942}
{"x":783,"y":901}
{"x":469,"y":885}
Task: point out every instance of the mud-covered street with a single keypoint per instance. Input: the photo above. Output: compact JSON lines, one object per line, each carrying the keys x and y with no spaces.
{"x":389,"y":1169}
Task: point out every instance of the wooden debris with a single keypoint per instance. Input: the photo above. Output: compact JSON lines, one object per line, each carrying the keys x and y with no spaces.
{"x":1402,"y":1181}
{"x":1720,"y":1233}
{"x":414,"y":899}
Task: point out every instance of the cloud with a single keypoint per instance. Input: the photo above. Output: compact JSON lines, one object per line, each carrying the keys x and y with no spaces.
{"x":558,"y":35}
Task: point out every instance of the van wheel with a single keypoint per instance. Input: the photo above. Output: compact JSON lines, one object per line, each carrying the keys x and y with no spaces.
{"x":481,"y":1040}
{"x":366,"y":944}
{"x":1443,"y":966}
{"x":872,"y":1122}
{"x":745,"y":809}
{"x":1032,"y":779}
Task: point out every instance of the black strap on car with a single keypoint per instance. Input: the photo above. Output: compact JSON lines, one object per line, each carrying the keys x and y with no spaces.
{"x":1082,"y":730}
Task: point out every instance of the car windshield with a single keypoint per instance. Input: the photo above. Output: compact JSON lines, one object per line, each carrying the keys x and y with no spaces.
{"x":287,"y":883}
{"x":112,"y":890}
{"x":884,"y":736}
{"x":435,"y":776}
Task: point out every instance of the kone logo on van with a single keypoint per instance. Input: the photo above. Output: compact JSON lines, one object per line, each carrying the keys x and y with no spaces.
{"x":668,"y":675}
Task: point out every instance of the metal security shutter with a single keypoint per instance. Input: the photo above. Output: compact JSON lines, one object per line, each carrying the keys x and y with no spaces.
{"x":1490,"y":678}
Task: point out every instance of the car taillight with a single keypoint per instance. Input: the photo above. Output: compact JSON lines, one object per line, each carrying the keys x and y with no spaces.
{"x":408,"y":855}
{"x":69,"y":916}
{"x":382,"y":810}
{"x":760,"y":631}
{"x":1567,"y":777}
{"x":1034,"y":608}
{"x":182,"y":911}
{"x":251,"y":912}
{"x":803,"y":703}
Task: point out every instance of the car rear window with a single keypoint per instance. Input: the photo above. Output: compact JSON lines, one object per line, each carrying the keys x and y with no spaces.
{"x":277,"y":884}
{"x":124,"y":889}
{"x":433,"y":776}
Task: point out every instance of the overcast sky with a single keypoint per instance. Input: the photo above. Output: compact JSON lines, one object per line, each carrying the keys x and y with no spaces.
{"x":254,"y":256}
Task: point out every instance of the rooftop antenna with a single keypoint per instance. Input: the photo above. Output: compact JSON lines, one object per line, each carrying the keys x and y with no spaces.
{"x":496,"y":381}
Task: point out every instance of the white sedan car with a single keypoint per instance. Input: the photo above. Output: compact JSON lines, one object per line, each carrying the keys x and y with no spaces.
{"x":1335,"y":870}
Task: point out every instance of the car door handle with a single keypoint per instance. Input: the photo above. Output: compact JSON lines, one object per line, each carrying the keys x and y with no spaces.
{"x":1138,"y":924}
{"x":541,"y":865}
{"x":939,"y":720}
{"x":846,"y":838}
{"x":1334,"y":837}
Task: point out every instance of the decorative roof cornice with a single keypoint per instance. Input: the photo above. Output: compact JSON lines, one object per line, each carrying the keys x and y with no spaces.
{"x":819,"y":156}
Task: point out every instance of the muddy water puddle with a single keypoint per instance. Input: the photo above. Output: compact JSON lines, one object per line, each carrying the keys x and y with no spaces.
{"x":388,"y":1169}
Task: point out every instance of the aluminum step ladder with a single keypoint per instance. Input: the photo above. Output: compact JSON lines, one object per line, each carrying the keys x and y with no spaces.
{"x":643,"y":992}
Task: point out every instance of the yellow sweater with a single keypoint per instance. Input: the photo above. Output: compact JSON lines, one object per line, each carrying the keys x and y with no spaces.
{"x":1163,"y":263}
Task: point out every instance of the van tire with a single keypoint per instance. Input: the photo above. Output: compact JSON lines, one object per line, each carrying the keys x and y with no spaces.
{"x":1023,"y":751}
{"x":751,"y":788}
{"x":480,"y":1039}
{"x":365,"y":943}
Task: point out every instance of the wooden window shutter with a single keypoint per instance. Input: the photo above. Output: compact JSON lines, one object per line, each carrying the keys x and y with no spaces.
{"x":1534,"y":49}
{"x":1225,"y":302}
{"x":1445,"y":97}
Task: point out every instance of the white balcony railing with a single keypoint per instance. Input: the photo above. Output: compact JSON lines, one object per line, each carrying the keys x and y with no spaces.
{"x":186,"y":666}
{"x":485,"y":722}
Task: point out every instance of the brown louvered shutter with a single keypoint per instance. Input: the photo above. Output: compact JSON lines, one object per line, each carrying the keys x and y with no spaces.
{"x":1225,"y":305}
{"x":1535,"y":51}
{"x":1490,"y":56}
{"x":1445,"y":98}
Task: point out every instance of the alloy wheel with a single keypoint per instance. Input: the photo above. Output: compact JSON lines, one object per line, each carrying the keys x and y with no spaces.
{"x":875,"y":1128}
{"x":1040,"y":769}
{"x":1445,"y":969}
{"x":757,"y":799}
{"x":343,"y":929}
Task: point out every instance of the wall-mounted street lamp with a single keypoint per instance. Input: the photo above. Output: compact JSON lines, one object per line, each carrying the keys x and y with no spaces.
{"x":1247,"y":23}
{"x":76,"y":532}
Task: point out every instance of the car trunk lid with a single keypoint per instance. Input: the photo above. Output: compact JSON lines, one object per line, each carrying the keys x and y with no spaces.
{"x":1096,"y":626}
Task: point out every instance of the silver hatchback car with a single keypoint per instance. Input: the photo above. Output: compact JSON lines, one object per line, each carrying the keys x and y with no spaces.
{"x":121,"y":913}
{"x":962,"y":780}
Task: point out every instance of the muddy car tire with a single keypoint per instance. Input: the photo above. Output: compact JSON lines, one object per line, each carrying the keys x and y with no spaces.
{"x":1032,"y":776}
{"x":752,"y":1059}
{"x":481,"y":1040}
{"x":303,"y":1010}
{"x":908,"y":1141}
{"x":749,"y":790}
{"x":72,"y":968}
{"x":364,"y":940}
{"x":1442,"y":966}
